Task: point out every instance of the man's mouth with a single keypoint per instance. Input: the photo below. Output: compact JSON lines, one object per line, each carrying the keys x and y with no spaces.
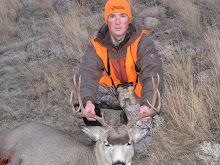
{"x":118,"y":28}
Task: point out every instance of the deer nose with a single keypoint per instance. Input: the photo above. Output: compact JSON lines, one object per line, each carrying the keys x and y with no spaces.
{"x":119,"y":163}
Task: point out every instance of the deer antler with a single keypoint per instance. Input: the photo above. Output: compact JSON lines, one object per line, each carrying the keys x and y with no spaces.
{"x":153,"y":111}
{"x":82,"y":113}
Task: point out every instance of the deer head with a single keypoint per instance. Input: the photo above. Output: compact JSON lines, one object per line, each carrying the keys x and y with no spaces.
{"x":114,"y":144}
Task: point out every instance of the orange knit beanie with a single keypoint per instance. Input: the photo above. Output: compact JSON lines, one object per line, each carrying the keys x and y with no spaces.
{"x":117,"y":6}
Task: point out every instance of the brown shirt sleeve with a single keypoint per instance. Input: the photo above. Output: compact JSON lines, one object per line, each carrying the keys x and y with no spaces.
{"x":90,"y":70}
{"x":150,"y":64}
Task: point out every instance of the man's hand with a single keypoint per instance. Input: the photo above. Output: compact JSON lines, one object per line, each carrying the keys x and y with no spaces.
{"x":144,"y":109}
{"x":90,"y":108}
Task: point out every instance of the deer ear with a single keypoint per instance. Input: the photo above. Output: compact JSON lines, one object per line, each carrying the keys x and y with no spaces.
{"x":93,"y":132}
{"x":138,"y":134}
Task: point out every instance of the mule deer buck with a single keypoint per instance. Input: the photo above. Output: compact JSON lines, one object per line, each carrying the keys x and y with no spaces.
{"x":34,"y":143}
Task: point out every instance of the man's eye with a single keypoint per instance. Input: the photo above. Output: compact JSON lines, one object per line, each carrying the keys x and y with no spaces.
{"x":123,"y":15}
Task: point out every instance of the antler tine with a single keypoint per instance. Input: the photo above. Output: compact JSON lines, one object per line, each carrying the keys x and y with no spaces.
{"x":72,"y":106}
{"x":153,"y":111}
{"x":155,"y":87}
{"x":83,"y":113}
{"x":77,"y":88}
{"x":156,"y":93}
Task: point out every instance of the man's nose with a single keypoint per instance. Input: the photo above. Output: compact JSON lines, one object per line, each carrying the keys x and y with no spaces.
{"x":118,"y":21}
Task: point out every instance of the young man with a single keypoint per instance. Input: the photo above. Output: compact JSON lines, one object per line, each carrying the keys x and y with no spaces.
{"x":128,"y":57}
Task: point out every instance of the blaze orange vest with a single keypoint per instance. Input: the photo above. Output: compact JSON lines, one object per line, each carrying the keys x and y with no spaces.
{"x":130,"y":62}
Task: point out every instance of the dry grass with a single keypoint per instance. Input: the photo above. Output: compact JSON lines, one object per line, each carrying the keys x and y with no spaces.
{"x":40,"y":54}
{"x":8,"y":15}
{"x":189,"y":15}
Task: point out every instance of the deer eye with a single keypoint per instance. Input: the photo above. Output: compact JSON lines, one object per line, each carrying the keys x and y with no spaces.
{"x":130,"y":142}
{"x":106,"y":144}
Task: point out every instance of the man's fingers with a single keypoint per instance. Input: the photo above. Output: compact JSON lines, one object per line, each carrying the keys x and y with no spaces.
{"x":145,"y":119}
{"x":91,"y":111}
{"x":90,"y":108}
{"x":90,"y":119}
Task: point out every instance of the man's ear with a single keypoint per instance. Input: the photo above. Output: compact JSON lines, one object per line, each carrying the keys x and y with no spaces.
{"x":138,"y":133}
{"x":93,"y":132}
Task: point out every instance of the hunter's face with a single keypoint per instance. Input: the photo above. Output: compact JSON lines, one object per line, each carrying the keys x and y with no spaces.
{"x":118,"y":24}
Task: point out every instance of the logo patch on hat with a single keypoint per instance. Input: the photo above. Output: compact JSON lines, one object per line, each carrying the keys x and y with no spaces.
{"x":117,"y":7}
